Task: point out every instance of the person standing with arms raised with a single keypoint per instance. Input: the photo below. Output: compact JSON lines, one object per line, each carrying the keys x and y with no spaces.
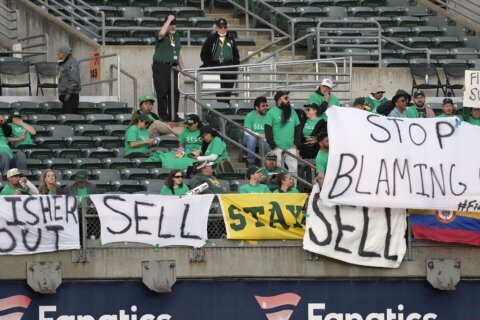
{"x":166,"y":56}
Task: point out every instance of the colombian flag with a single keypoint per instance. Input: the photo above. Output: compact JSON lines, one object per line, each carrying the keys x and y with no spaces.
{"x":446,"y":226}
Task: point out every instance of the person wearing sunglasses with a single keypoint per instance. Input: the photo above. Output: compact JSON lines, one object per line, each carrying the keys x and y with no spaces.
{"x":174,"y":184}
{"x":397,"y":107}
{"x":375,"y":98}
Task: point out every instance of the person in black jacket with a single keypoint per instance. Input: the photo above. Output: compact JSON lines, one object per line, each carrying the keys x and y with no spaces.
{"x":313,"y":125}
{"x":220,"y":50}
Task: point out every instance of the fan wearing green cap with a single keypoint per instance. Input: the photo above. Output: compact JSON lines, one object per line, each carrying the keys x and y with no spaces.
{"x":68,"y":80}
{"x":137,"y":140}
{"x":21,"y":132}
{"x":7,"y":158}
{"x":167,"y":55}
{"x":156,"y":127}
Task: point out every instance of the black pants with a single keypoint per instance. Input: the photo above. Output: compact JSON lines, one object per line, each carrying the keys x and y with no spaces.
{"x":161,"y":82}
{"x":226,"y":85}
{"x":70,"y":106}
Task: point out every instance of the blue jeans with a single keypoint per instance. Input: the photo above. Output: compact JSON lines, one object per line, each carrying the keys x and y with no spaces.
{"x":250,"y":142}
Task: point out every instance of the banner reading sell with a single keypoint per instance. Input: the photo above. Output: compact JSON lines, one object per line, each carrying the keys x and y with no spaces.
{"x":263,"y":217}
{"x":153,"y":219}
{"x":365,"y":236}
{"x":34,"y":224}
{"x":377,"y":161}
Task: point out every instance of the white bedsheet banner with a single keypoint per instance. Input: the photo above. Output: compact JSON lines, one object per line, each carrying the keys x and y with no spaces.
{"x":378,"y":161}
{"x":34,"y":224}
{"x":359,"y":235}
{"x":153,"y":219}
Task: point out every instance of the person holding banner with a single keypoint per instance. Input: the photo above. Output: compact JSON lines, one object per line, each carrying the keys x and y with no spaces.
{"x":397,"y":107}
{"x":254,"y":185}
{"x":312,"y":126}
{"x":174,"y":184}
{"x":81,"y":188}
{"x":205,"y":174}
{"x":49,"y":183}
{"x":322,"y":157}
{"x":471,"y":115}
{"x":448,"y":108}
{"x":283,"y":131}
{"x":419,"y":109}
{"x":18,"y":184}
{"x":137,"y":138}
{"x":287,"y":183}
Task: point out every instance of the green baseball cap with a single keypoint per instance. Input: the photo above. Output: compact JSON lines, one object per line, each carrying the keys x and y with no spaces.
{"x":146,"y":98}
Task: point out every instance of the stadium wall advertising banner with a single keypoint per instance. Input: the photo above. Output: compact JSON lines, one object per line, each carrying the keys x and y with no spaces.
{"x":240,"y":300}
{"x":264,"y":216}
{"x":154,"y":219}
{"x":35,"y":224}
{"x":365,"y":236}
{"x":378,"y":161}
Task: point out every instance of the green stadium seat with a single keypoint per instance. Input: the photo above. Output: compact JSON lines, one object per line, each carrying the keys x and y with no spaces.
{"x":123,"y":118}
{"x":390,"y":11}
{"x":397,"y":32}
{"x":27,"y":107}
{"x":426,"y":31}
{"x":128,"y":186}
{"x":395,"y":63}
{"x":435,"y":21}
{"x":115,"y":130}
{"x":407,"y":21}
{"x":417,"y":11}
{"x":418,"y":42}
{"x":52,"y":107}
{"x":33,"y":164}
{"x":98,"y":153}
{"x":446,"y":42}
{"x":360,"y":12}
{"x":187,"y":12}
{"x":385,"y":22}
{"x":310,"y":12}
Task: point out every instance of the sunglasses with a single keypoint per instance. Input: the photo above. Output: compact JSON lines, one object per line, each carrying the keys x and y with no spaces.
{"x":180,"y":176}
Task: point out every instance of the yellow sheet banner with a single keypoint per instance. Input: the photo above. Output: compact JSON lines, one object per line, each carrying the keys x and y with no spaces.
{"x":262,"y":216}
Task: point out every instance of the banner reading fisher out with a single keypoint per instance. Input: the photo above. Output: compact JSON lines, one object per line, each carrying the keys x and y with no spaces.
{"x":378,"y":161}
{"x":263,"y":216}
{"x":471,"y":95}
{"x":365,"y":236}
{"x":34,"y":224}
{"x":153,"y":219}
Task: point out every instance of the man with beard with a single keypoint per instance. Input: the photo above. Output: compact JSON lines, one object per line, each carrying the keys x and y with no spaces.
{"x":322,"y":97}
{"x":220,"y":50}
{"x":166,"y":56}
{"x":448,"y":108}
{"x":419,"y":110}
{"x":283,"y":131}
{"x":322,"y":157}
{"x":255,"y":121}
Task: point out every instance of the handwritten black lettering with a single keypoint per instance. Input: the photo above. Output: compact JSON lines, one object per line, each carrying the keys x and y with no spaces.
{"x":106,"y":202}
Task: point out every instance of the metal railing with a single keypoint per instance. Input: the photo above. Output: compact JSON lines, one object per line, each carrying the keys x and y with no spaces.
{"x":465,"y":9}
{"x":128,"y":75}
{"x":110,"y":80}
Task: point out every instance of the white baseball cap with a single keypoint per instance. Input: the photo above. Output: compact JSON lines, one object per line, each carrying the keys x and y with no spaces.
{"x":13,"y":172}
{"x":328,"y":83}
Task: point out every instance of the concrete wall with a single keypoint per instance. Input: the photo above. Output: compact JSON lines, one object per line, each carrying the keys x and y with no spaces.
{"x":235,"y":259}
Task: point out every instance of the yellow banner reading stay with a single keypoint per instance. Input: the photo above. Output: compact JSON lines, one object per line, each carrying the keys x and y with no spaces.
{"x":263,"y":216}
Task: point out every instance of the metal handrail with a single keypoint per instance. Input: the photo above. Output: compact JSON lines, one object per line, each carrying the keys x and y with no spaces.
{"x":426,"y":50}
{"x":128,"y":75}
{"x":453,"y":6}
{"x":108,"y":80}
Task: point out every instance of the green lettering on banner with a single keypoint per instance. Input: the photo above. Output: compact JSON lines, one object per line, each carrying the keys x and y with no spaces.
{"x":275,"y":210}
{"x":255,"y":212}
{"x":232,"y":213}
{"x":296,"y":211}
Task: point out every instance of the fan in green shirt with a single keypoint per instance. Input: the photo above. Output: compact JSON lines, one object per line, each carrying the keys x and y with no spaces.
{"x":448,"y":108}
{"x":287,"y":183}
{"x":214,"y":148}
{"x":174,"y":184}
{"x":254,"y":185}
{"x":323,"y":96}
{"x":270,"y":170}
{"x":375,"y":98}
{"x":322,"y":157}
{"x":472,"y":115}
{"x":21,"y":132}
{"x":137,"y":138}
{"x":255,"y":122}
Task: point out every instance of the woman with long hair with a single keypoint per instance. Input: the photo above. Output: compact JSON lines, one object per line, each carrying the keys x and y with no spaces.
{"x":213,"y":147}
{"x":137,"y":138}
{"x":49,"y":183}
{"x":287,"y":183}
{"x":174,"y":184}
{"x":313,"y":125}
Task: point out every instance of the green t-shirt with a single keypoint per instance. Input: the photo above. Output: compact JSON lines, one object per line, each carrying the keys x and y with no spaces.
{"x":321,"y":161}
{"x":217,"y":146}
{"x":318,"y":99}
{"x":291,"y":190}
{"x":309,"y":126}
{"x":467,"y":117}
{"x":255,"y":122}
{"x":412,"y":112}
{"x":191,"y":140}
{"x":223,"y":53}
{"x":4,"y":146}
{"x":177,"y":190}
{"x":134,"y":134}
{"x":259,"y":188}
{"x":81,"y":193}
{"x":164,"y":51}
{"x":8,"y":190}
{"x":17,"y":131}
{"x":283,"y":135}
{"x":373,"y":103}
{"x":269,"y":174}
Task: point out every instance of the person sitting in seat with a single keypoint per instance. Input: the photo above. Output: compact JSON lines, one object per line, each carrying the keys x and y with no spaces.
{"x":287,"y":183}
{"x":312,"y":126}
{"x":270,"y":170}
{"x":213,"y":147}
{"x":205,"y":175}
{"x":157,"y":127}
{"x":7,"y":158}
{"x":18,"y":184}
{"x":81,"y":188}
{"x":174,"y":184}
{"x":22,"y":133}
{"x":48,"y":184}
{"x":137,"y":138}
{"x":254,"y":185}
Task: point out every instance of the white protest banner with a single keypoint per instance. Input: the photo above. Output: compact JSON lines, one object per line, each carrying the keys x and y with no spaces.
{"x":365,"y":236}
{"x":471,"y":95}
{"x":153,"y":219}
{"x":378,"y":161}
{"x":34,"y":224}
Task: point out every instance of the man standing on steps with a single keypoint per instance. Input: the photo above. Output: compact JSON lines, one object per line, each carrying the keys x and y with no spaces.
{"x":166,"y":56}
{"x":68,"y":80}
{"x":220,"y":50}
